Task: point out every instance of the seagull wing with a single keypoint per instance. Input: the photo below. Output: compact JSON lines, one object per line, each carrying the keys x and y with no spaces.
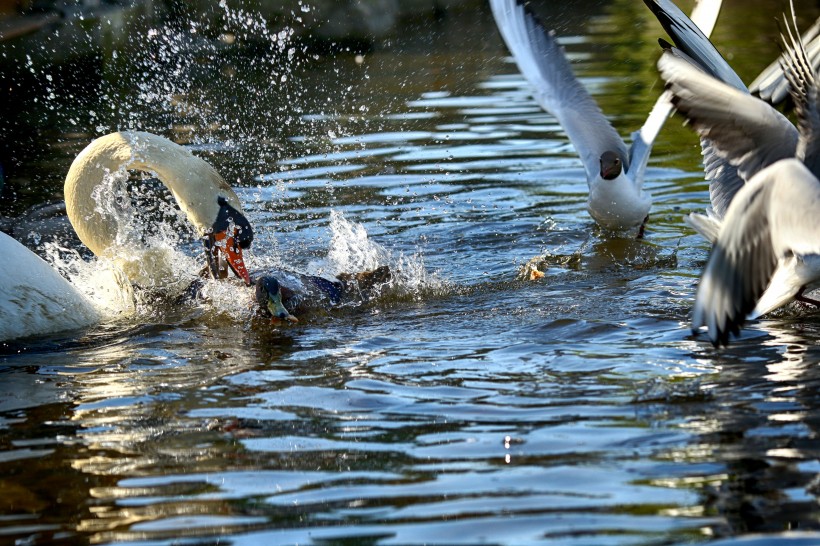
{"x":542,"y":62}
{"x":695,"y":47}
{"x":704,"y":16}
{"x":799,"y":72}
{"x":775,"y":215}
{"x":689,"y":38}
{"x":742,"y":129}
{"x":771,"y":85}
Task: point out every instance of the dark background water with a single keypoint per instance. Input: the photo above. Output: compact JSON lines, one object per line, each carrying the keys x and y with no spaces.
{"x":470,"y":406}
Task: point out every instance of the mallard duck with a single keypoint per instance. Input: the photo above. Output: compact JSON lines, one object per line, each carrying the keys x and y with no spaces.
{"x":282,"y":294}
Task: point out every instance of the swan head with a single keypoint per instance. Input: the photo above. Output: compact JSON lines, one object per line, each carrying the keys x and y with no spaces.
{"x":229,"y":235}
{"x":611,"y":165}
{"x":269,"y":298}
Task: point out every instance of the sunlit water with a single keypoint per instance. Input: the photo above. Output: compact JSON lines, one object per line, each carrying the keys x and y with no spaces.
{"x":464,"y":404}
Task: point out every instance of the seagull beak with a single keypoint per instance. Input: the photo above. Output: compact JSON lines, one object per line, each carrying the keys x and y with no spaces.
{"x":222,"y":245}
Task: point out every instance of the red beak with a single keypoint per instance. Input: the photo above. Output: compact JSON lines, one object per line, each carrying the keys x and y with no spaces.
{"x":231,"y":253}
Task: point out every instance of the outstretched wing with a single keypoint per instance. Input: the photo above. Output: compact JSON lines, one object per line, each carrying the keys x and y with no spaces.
{"x":542,"y":62}
{"x":742,"y":129}
{"x":688,"y":38}
{"x":771,"y":84}
{"x":704,"y":17}
{"x":799,"y":73}
{"x":695,"y":47}
{"x":773,"y":216}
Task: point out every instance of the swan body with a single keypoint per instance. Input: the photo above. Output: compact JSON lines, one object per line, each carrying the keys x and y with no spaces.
{"x":34,"y":298}
{"x":201,"y":193}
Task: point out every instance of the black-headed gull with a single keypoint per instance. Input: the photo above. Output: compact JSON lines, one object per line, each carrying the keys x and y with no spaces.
{"x":614,"y":172}
{"x":740,"y":134}
{"x":766,"y":246}
{"x":767,"y":252}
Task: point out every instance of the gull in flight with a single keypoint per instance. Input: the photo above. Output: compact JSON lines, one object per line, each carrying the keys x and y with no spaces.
{"x":615,"y":173}
{"x":767,"y":244}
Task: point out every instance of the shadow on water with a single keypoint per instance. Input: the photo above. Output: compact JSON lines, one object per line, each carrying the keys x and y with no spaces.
{"x":464,"y":404}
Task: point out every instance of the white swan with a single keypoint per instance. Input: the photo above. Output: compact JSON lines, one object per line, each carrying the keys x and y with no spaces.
{"x":205,"y":198}
{"x":35,"y":299}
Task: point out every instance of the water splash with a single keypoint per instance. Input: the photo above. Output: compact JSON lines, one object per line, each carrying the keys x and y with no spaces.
{"x":150,"y":232}
{"x":229,"y":297}
{"x":100,"y":280}
{"x":351,"y":250}
{"x":149,"y":258}
{"x":172,"y":73}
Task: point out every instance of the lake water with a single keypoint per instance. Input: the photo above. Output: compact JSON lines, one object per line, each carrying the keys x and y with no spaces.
{"x":465,"y":404}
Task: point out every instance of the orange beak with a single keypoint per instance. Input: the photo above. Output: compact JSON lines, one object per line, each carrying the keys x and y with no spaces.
{"x":225,"y":246}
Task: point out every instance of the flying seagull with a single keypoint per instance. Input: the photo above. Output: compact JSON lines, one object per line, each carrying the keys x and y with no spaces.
{"x":767,"y":246}
{"x":615,"y":172}
{"x":740,"y":134}
{"x":767,"y":253}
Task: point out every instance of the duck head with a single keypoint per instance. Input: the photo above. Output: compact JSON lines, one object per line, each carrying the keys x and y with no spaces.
{"x":611,"y":165}
{"x":269,"y":298}
{"x":230,"y":234}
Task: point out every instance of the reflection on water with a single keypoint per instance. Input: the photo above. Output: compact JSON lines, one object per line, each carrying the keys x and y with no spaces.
{"x":469,"y":406}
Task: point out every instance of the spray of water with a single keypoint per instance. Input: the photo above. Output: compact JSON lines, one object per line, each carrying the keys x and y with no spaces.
{"x":351,"y":250}
{"x":100,"y":280}
{"x":170,"y":91}
{"x":148,"y":251}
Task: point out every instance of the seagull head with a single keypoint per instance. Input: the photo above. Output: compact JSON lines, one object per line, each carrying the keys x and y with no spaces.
{"x":611,"y":165}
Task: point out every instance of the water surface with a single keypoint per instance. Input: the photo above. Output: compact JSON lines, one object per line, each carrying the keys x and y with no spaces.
{"x":464,"y":405}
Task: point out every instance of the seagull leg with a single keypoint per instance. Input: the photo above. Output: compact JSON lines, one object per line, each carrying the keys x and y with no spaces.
{"x":642,"y":229}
